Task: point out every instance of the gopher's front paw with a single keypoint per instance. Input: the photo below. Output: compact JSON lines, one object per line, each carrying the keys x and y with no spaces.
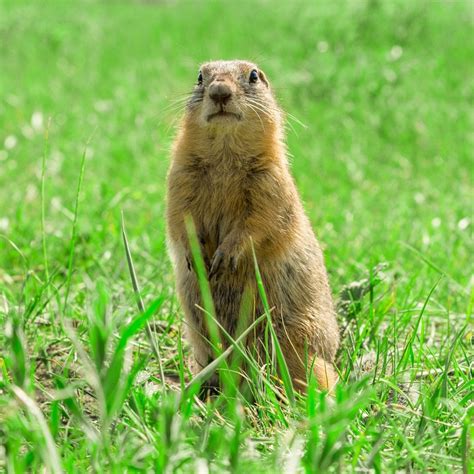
{"x":221,"y":262}
{"x":191,"y":265}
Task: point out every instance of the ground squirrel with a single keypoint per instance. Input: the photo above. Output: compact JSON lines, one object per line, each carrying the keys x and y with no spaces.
{"x":230,"y":173}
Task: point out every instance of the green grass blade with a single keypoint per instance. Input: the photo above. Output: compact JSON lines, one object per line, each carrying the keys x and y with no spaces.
{"x":285,"y":374}
{"x":250,"y":360}
{"x":409,"y":344}
{"x":204,"y":286}
{"x":50,"y":457}
{"x":72,"y":245}
{"x":43,"y":201}
{"x":136,"y":289}
{"x":209,"y":370}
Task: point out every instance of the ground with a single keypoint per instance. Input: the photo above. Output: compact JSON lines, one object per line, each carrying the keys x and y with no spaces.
{"x":379,"y":102}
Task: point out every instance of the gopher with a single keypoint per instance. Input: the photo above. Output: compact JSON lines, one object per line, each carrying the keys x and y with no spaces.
{"x":230,"y":173}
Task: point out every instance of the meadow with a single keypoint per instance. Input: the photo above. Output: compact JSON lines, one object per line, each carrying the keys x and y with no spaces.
{"x":380,"y":137}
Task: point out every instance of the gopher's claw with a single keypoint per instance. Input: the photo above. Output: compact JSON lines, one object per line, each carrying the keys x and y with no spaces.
{"x":216,"y":263}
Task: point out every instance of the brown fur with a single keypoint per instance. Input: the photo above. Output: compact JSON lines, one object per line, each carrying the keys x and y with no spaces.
{"x":230,"y":173}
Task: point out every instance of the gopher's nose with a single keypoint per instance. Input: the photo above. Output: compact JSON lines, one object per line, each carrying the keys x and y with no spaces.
{"x":220,"y":93}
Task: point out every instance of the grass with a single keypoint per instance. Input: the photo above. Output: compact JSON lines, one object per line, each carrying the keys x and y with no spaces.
{"x":384,"y":168}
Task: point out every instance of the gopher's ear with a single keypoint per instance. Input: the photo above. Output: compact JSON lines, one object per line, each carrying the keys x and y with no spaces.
{"x":262,"y":77}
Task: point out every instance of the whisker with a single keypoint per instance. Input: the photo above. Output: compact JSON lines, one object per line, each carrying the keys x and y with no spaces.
{"x":257,"y":101}
{"x":180,"y":105}
{"x":296,"y":119}
{"x":288,"y":124}
{"x":261,"y":108}
{"x":177,"y":102}
{"x":257,"y":114}
{"x":289,"y":117}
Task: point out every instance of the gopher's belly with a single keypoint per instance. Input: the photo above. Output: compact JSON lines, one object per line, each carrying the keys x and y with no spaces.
{"x":293,"y":294}
{"x":226,"y":291}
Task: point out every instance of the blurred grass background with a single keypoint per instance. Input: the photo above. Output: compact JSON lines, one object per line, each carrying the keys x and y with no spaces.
{"x":384,"y":165}
{"x":385,"y":89}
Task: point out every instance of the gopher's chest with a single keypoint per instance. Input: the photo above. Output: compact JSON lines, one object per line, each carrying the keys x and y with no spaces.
{"x":219,"y":199}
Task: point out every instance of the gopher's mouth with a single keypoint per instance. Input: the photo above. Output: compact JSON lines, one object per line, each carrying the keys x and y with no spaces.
{"x":224,"y":114}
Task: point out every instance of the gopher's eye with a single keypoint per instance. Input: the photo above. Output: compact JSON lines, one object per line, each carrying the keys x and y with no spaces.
{"x":253,"y":76}
{"x":200,"y":78}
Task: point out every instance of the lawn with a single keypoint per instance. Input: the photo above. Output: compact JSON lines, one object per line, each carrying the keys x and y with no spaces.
{"x":380,"y":139}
